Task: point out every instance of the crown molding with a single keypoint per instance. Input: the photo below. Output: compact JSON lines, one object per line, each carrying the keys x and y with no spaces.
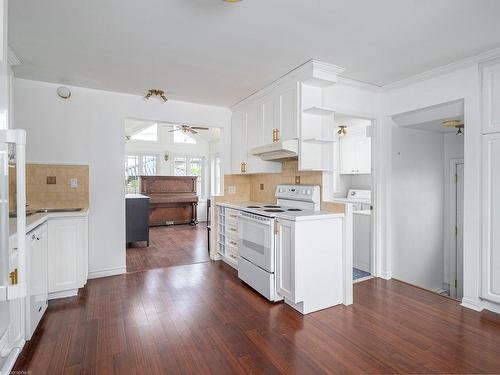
{"x":12,"y":58}
{"x":444,"y":69}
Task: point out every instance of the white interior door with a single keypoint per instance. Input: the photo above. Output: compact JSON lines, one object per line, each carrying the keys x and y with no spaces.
{"x":459,"y":231}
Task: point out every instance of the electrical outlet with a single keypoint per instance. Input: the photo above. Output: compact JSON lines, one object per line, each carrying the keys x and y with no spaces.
{"x":231,"y":189}
{"x":297,"y":180}
{"x":73,"y":183}
{"x":261,"y":186}
{"x":51,"y":180}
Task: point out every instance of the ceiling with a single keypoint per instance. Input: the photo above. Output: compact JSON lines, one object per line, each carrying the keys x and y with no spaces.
{"x":209,"y":51}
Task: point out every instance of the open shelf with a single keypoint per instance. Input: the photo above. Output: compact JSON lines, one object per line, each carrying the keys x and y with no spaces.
{"x":320,"y":111}
{"x":319,"y":140}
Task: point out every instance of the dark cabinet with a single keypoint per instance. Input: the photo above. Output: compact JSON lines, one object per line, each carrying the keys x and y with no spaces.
{"x":137,"y":218}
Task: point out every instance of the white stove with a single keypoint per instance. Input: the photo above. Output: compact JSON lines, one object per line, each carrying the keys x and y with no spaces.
{"x":289,"y":198}
{"x":257,"y":237}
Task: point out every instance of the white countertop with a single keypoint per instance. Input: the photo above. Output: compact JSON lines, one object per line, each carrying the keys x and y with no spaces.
{"x":287,"y":215}
{"x":362,"y":212}
{"x":35,"y":220}
{"x":350,"y":201}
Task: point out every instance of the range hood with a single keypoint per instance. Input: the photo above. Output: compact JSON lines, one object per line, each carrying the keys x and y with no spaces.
{"x":277,"y":151}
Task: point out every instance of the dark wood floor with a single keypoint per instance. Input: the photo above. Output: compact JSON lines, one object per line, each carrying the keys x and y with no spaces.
{"x":201,"y":319}
{"x":169,"y":246}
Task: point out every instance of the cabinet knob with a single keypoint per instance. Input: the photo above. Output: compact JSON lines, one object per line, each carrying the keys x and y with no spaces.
{"x":276,"y":135}
{"x":243,"y":167}
{"x":13,"y":277}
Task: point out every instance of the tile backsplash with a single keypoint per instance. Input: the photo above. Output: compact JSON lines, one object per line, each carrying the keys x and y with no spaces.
{"x":41,"y":192}
{"x":261,"y":187}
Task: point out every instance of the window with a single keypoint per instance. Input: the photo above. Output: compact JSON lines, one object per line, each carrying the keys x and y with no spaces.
{"x":138,"y":165}
{"x":216,"y":175}
{"x":182,"y":137}
{"x":149,"y":134}
{"x":191,"y":166}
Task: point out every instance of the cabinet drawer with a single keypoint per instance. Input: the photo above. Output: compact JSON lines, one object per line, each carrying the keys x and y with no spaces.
{"x":232,"y":230}
{"x":231,"y":214}
{"x":232,"y":245}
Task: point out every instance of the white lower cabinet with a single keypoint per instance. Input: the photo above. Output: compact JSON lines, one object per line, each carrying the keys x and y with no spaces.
{"x":491,"y":218}
{"x":309,"y":262}
{"x":37,"y":263}
{"x":67,"y":256}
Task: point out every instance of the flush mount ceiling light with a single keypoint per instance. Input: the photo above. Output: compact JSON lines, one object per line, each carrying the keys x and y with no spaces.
{"x":342,"y":130}
{"x":63,"y":92}
{"x":457,"y":124}
{"x":156,"y":92}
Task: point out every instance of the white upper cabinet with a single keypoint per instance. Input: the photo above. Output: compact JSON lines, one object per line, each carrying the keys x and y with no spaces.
{"x":270,"y":117}
{"x":355,"y":155}
{"x":491,"y":218}
{"x":288,"y":107}
{"x":491,"y":97}
{"x":238,"y":142}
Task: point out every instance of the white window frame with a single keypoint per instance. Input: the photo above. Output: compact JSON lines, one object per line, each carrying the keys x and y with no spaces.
{"x":141,"y":163}
{"x":202,"y":194}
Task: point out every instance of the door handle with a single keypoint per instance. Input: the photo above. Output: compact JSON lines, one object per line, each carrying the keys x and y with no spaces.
{"x":13,"y":277}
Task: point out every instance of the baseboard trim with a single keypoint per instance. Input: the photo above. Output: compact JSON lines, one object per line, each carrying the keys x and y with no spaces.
{"x":385,"y":275}
{"x":63,"y":294}
{"x":492,"y":306}
{"x":107,"y":272}
{"x":475,"y":305}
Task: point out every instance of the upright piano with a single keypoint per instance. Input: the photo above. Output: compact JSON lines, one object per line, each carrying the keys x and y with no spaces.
{"x":173,"y":199}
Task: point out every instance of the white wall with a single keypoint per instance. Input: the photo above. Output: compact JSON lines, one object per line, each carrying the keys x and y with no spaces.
{"x":89,"y":129}
{"x":417,"y":206}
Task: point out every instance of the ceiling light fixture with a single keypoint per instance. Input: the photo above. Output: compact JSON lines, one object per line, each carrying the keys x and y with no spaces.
{"x":156,"y":92}
{"x":342,"y":130}
{"x":457,"y":124}
{"x":63,"y":92}
{"x":231,"y":1}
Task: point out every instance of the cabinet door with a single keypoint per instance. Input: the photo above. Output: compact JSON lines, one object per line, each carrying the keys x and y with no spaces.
{"x":347,"y":155}
{"x":238,"y":141}
{"x":363,"y":155}
{"x":288,"y":107}
{"x":491,"y":97}
{"x":491,"y":218}
{"x":66,"y":258}
{"x":285,"y":259}
{"x":269,"y":116}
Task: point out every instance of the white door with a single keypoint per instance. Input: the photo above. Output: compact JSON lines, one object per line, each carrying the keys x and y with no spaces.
{"x":347,"y":155}
{"x":268,"y":118}
{"x":66,"y":255}
{"x":256,"y":240}
{"x":491,"y":217}
{"x":459,"y":232}
{"x":288,"y":114}
{"x":285,"y":259}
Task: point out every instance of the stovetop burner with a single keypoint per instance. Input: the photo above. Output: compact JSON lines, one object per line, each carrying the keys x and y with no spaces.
{"x":274,"y":210}
{"x":253,"y":206}
{"x":272,"y":206}
{"x":294,"y":209}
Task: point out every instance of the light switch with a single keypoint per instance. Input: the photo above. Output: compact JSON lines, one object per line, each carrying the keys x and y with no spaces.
{"x":231,"y":189}
{"x":74,"y":183}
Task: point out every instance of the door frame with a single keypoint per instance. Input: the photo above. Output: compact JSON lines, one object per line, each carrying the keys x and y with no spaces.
{"x":451,"y":221}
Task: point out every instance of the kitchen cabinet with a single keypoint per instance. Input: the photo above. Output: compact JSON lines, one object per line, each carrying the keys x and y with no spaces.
{"x":67,"y":255}
{"x":355,"y":155}
{"x":287,"y":279}
{"x":491,"y":217}
{"x":37,"y":265}
{"x":309,"y":263}
{"x":238,"y":142}
{"x":491,"y":97}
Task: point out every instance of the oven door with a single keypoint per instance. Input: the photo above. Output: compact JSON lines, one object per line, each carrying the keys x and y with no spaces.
{"x":256,"y":240}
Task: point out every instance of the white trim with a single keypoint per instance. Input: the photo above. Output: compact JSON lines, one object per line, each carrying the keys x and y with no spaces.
{"x":63,"y":294}
{"x":472,"y":304}
{"x":386,"y":275}
{"x":444,"y":69}
{"x":107,"y":272}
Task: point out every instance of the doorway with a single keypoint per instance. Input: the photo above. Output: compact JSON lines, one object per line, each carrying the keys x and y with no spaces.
{"x":183,"y":163}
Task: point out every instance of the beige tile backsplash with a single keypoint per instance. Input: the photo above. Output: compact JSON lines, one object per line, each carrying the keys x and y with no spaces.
{"x":248,"y":186}
{"x":39,"y":194}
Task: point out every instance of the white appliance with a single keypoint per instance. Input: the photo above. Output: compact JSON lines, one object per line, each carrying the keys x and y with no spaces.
{"x":257,"y":238}
{"x":12,"y":254}
{"x":360,"y":199}
{"x":361,"y":258}
{"x":278,"y":150}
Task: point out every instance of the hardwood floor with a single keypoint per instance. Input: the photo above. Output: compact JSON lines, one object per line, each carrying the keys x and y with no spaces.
{"x":169,"y":246}
{"x":200,"y":318}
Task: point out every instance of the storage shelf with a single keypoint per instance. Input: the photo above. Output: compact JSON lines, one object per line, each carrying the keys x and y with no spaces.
{"x":319,"y":140}
{"x":321,"y":111}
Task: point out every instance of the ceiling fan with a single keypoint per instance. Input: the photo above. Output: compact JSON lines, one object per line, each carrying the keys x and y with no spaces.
{"x":186,"y":129}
